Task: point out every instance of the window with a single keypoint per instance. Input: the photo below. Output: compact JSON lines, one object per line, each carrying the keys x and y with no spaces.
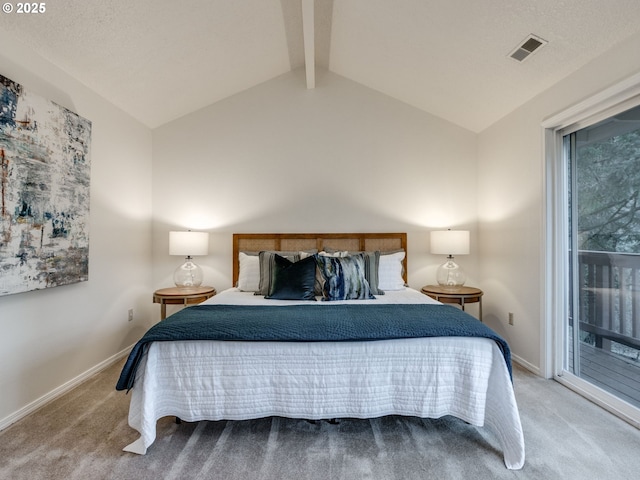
{"x":592,"y":252}
{"x":603,"y":257}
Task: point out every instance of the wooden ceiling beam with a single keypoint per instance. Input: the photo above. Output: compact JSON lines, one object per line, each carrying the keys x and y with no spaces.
{"x":308,"y":30}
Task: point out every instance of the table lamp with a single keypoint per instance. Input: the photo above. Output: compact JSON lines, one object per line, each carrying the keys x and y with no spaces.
{"x":450,"y":243}
{"x":188,"y":244}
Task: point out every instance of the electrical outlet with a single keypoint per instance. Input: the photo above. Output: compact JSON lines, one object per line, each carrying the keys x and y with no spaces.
{"x":510,"y":318}
{"x":131,"y":314}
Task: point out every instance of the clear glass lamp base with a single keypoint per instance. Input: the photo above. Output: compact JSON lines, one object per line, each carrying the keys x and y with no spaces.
{"x":450,"y":275}
{"x":188,"y":275}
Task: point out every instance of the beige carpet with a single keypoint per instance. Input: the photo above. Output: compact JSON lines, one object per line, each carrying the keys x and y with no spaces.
{"x":80,"y":436}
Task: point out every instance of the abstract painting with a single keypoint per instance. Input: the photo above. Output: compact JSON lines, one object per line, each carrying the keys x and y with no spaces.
{"x":44,"y":187}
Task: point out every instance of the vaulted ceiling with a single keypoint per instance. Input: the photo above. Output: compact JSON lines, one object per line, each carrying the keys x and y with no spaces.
{"x":161,"y":59}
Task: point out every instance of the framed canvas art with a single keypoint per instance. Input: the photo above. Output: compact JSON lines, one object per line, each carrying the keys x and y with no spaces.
{"x":44,"y":192}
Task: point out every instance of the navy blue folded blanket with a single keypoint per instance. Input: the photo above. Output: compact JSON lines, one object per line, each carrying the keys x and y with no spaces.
{"x":310,"y":323}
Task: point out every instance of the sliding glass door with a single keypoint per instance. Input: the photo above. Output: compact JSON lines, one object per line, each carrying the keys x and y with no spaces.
{"x":602,"y":333}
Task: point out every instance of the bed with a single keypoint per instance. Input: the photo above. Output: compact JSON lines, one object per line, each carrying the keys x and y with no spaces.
{"x":237,"y":356}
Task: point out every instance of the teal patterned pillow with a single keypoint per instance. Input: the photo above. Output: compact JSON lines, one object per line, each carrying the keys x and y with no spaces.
{"x":344,"y":278}
{"x":371,"y":266}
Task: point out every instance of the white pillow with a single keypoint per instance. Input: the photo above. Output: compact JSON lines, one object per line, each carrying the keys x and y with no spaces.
{"x":390,"y":271}
{"x":249,"y":275}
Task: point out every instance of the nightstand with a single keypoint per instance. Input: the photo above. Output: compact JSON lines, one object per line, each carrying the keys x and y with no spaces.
{"x":181,"y":296}
{"x":457,"y":295}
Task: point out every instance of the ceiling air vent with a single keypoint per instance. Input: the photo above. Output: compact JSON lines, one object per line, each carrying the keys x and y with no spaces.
{"x":527,"y":47}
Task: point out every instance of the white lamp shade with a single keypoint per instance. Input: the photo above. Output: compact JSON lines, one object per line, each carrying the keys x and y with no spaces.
{"x":450,"y":242}
{"x":188,"y":243}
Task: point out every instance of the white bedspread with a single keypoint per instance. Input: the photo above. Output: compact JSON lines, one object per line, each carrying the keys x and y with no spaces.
{"x":423,"y":377}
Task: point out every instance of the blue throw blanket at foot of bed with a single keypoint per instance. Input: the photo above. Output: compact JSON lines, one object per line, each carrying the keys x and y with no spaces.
{"x":310,"y":323}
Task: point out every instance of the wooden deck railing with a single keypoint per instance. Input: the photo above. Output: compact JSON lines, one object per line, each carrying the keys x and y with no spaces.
{"x":610,"y":297}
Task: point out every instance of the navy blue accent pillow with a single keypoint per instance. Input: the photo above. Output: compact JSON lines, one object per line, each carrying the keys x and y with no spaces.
{"x":293,"y":280}
{"x":267,"y":262}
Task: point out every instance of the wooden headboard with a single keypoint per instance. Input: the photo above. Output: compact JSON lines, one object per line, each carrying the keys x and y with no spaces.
{"x":255,"y":242}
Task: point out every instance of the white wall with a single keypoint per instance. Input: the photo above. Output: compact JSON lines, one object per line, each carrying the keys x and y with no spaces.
{"x":338,"y":158}
{"x":510,"y":199}
{"x":50,"y":337}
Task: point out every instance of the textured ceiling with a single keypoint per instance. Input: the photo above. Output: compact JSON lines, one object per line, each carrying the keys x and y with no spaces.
{"x":161,"y":59}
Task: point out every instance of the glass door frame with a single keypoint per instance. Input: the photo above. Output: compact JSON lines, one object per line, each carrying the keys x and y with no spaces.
{"x":556,"y":247}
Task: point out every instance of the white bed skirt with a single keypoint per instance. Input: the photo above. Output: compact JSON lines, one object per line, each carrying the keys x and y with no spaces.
{"x":422,"y":377}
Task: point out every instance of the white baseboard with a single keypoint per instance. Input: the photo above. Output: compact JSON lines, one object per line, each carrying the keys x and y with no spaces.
{"x":524,"y":364}
{"x":61,"y":390}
